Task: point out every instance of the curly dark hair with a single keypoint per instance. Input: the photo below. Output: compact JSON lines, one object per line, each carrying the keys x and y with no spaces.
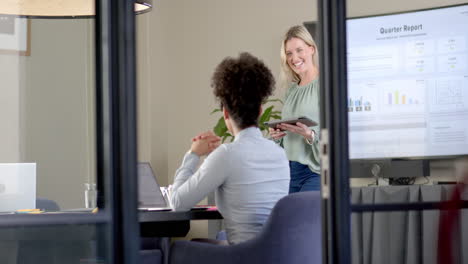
{"x":241,"y":85}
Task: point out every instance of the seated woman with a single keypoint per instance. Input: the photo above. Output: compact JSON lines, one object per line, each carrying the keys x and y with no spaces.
{"x":248,"y":175}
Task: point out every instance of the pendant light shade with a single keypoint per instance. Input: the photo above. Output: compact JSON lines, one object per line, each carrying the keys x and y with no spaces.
{"x":59,"y":8}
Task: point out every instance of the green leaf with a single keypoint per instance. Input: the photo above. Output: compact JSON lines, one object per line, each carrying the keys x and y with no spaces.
{"x":214,"y":111}
{"x":275,"y":116}
{"x":266,"y":115}
{"x":220,"y":129}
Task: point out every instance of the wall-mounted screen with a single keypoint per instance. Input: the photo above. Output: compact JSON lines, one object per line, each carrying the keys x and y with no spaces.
{"x":408,"y":84}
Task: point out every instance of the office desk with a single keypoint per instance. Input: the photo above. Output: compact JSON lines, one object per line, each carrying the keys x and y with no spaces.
{"x":172,"y":224}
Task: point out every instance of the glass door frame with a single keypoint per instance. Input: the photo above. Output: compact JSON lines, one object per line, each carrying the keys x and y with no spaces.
{"x":336,"y":216}
{"x":116,"y":126}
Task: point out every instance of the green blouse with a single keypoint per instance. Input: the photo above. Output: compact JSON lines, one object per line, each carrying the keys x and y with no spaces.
{"x":303,"y":101}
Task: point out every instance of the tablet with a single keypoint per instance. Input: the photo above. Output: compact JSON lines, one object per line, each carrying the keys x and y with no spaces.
{"x":304,"y":120}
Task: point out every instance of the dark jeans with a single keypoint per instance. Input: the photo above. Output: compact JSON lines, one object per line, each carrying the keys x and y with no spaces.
{"x":302,"y":178}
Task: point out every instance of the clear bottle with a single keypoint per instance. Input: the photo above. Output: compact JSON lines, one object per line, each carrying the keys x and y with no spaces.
{"x":90,"y":195}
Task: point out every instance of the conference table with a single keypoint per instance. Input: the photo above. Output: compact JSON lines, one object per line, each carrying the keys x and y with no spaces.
{"x":173,"y":224}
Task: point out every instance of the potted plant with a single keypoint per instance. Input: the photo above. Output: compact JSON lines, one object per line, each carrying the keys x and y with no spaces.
{"x":269,"y":113}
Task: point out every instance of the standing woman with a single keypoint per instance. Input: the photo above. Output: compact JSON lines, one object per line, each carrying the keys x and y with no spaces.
{"x":299,"y":72}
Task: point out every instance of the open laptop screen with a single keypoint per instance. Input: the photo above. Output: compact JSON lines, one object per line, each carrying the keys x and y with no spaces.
{"x":149,"y":193}
{"x":17,"y":186}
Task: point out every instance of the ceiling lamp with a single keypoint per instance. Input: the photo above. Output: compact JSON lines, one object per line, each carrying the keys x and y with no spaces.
{"x":59,"y":8}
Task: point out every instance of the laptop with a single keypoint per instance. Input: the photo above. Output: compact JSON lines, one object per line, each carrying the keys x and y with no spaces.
{"x":17,"y":186}
{"x":150,"y":195}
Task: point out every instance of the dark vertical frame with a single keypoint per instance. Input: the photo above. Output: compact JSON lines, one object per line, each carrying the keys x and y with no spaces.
{"x":333,"y":83}
{"x":116,"y":126}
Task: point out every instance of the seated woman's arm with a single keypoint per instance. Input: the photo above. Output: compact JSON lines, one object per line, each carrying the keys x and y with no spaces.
{"x":192,"y":185}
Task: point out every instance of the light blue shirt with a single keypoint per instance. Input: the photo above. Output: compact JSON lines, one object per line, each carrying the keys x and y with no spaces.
{"x":248,"y":176}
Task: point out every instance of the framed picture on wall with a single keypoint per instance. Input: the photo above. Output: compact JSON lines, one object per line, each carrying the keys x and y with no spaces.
{"x":15,"y":34}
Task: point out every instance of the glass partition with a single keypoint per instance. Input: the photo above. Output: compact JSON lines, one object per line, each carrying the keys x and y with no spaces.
{"x":48,"y":138}
{"x":60,"y":107}
{"x":48,"y":110}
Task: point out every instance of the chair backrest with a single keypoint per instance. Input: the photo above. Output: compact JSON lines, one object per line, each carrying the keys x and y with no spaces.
{"x":293,"y":232}
{"x":46,"y":204}
{"x":292,"y":235}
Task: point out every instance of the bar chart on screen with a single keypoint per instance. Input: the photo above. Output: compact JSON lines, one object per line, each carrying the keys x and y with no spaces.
{"x":362,"y":99}
{"x":403,"y":96}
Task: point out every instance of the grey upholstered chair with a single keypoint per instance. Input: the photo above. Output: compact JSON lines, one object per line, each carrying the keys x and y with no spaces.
{"x":47,"y":204}
{"x":292,"y":235}
{"x":154,"y":250}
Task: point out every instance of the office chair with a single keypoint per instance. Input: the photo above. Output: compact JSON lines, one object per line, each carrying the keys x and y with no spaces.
{"x":154,"y":250}
{"x":291,"y":235}
{"x":47,"y":205}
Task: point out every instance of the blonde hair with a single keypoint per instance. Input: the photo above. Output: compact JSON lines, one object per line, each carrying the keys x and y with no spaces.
{"x":287,"y":75}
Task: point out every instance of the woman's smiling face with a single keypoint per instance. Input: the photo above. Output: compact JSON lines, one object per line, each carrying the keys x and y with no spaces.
{"x":299,"y":56}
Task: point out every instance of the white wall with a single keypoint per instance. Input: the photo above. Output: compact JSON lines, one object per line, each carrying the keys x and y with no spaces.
{"x":59,"y":117}
{"x":10,"y":108}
